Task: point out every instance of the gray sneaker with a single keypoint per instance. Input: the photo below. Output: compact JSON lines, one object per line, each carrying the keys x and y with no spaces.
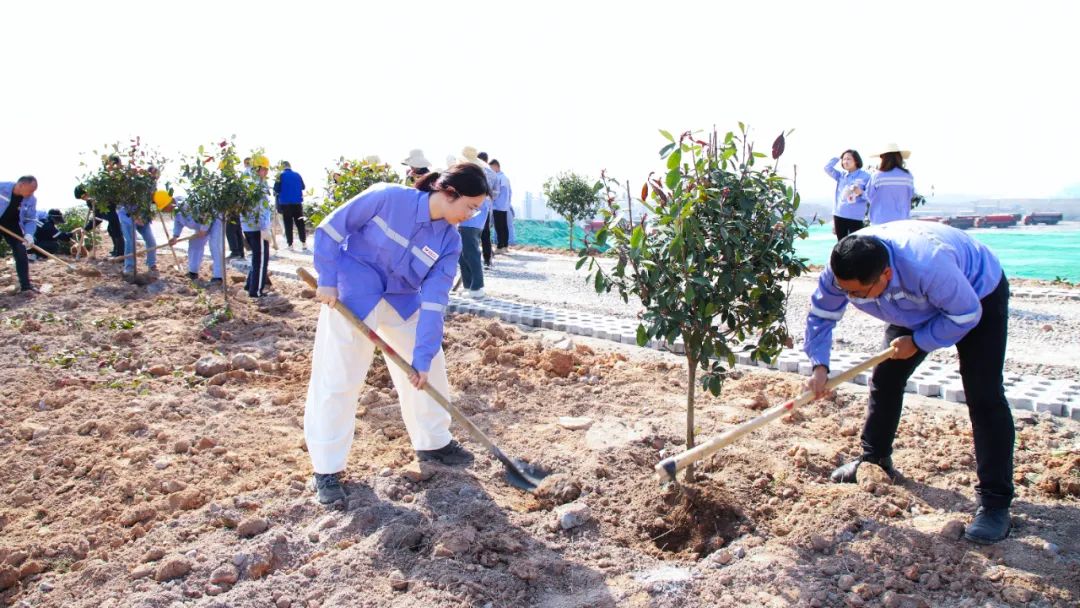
{"x":328,"y":487}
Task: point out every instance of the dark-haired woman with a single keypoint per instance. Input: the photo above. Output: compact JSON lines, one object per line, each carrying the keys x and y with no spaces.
{"x":849,"y":209}
{"x":891,"y":188}
{"x":389,"y":255}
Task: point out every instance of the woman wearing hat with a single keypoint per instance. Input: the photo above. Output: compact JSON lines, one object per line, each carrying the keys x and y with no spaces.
{"x":418,"y":166}
{"x":849,"y":209}
{"x":389,"y":255}
{"x":891,"y":188}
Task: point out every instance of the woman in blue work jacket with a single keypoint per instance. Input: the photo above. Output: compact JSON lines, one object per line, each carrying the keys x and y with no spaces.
{"x":390,"y":256}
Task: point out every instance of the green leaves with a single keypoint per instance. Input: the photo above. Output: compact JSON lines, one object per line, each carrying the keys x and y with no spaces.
{"x":711,"y":267}
{"x":674,"y":160}
{"x":573,"y":197}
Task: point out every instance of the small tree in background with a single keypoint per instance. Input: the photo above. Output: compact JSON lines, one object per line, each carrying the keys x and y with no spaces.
{"x":126,"y":178}
{"x":216,"y":189}
{"x":344,"y":181}
{"x":714,"y":270}
{"x":572,"y":197}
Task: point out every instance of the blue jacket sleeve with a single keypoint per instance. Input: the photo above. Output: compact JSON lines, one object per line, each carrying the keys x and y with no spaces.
{"x":434,"y":295}
{"x":177,"y":226}
{"x":830,"y":169}
{"x":335,"y":227}
{"x":826,"y":308}
{"x":871,"y":188}
{"x":29,"y":215}
{"x":959,"y":308}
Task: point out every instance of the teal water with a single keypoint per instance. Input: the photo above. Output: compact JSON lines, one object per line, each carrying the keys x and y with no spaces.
{"x":1030,"y":252}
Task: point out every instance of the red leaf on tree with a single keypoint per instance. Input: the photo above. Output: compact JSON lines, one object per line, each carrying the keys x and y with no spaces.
{"x":778,"y":147}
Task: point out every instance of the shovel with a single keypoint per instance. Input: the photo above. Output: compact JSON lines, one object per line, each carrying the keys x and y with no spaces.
{"x":521,"y":475}
{"x":142,"y":251}
{"x":82,"y":270}
{"x":667,"y":468}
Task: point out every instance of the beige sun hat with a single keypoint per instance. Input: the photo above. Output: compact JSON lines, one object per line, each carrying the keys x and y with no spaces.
{"x":373,"y":159}
{"x":416,"y":160}
{"x":469,"y":154}
{"x":894,"y":148}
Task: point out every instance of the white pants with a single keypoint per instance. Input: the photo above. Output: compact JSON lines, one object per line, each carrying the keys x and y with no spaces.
{"x":339,"y":366}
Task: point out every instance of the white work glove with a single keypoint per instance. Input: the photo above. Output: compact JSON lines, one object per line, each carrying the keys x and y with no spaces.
{"x":327,"y":295}
{"x":29,"y":238}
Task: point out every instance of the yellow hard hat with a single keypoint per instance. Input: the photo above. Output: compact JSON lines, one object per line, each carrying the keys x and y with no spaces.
{"x":260,"y":162}
{"x":162,"y":199}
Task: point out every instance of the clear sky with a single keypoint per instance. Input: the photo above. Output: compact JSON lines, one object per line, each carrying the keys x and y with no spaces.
{"x":983,"y":93}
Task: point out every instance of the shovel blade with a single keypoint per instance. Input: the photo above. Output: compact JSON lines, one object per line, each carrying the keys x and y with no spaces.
{"x":524,"y":476}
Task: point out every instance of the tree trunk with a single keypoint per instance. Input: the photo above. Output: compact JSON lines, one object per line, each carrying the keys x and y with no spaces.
{"x":224,"y":262}
{"x":691,"y":365}
{"x":570,"y":220}
{"x":134,"y":253}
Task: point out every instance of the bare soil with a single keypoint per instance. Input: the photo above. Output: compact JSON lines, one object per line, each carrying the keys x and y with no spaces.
{"x":131,"y":476}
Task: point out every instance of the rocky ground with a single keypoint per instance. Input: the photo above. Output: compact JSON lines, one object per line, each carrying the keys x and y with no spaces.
{"x":151,"y":455}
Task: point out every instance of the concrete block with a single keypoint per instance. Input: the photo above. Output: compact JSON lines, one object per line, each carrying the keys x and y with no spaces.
{"x":1054,"y":407}
{"x":955,"y":394}
{"x":1020,"y":401}
{"x":805,"y":368}
{"x":789,"y":366}
{"x":928,"y":389}
{"x":1073,"y":411}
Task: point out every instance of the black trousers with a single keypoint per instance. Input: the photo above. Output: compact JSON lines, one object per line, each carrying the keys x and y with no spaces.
{"x":291,"y":214}
{"x":234,"y":236}
{"x":260,"y":264}
{"x":485,"y":240}
{"x":982,"y":361}
{"x":843,"y":226}
{"x":502,"y":229}
{"x":116,"y":233}
{"x":18,"y":251}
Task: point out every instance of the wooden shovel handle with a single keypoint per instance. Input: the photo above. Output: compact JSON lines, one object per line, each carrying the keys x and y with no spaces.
{"x":69,"y":265}
{"x":667,"y":468}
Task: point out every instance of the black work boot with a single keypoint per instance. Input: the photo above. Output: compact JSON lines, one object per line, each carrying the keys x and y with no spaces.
{"x":450,"y":454}
{"x":194,"y":276}
{"x":989,"y":526}
{"x":328,"y":487}
{"x":845,"y":473}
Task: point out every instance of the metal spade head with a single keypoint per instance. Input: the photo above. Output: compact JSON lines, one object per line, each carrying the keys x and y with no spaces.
{"x":525,"y":476}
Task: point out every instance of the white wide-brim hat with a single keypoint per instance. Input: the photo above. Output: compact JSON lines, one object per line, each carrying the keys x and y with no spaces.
{"x":416,"y":160}
{"x":894,"y":148}
{"x":470,"y":155}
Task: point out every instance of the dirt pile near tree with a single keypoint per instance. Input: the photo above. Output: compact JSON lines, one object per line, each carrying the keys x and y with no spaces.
{"x":152,"y":455}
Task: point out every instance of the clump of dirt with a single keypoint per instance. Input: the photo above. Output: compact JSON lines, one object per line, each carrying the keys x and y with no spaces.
{"x":696,"y":520}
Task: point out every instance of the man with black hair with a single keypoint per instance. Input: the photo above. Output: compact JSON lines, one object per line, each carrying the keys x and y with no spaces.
{"x":289,"y":190}
{"x":48,"y":235}
{"x":485,"y":232}
{"x":501,"y":209}
{"x":18,"y":214}
{"x":97,"y":216}
{"x":936,"y":287}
